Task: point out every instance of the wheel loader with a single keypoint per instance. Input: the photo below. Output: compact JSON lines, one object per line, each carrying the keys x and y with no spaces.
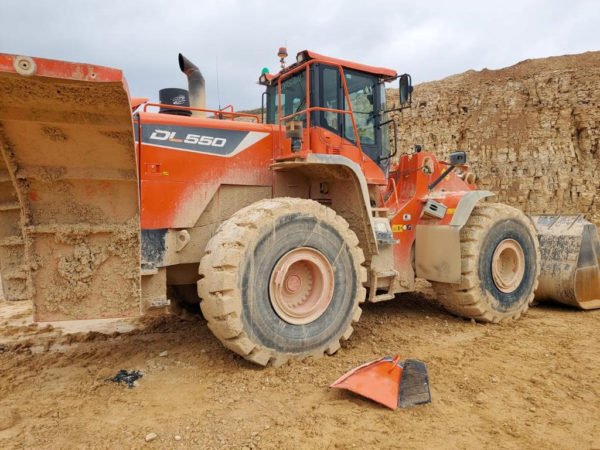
{"x":110,"y":206}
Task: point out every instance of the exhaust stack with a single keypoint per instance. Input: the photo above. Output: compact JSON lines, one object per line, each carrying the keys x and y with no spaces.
{"x":196,"y":85}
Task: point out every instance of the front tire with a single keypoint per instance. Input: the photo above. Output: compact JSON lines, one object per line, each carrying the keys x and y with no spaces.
{"x":500,"y":266}
{"x":282,"y":278}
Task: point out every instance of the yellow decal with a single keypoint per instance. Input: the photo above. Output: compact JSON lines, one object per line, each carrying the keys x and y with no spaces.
{"x":397,"y":228}
{"x":165,"y":173}
{"x":450,"y":210}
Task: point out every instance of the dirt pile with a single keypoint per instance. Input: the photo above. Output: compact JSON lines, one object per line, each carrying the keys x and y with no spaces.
{"x":532,"y":130}
{"x":531,"y":383}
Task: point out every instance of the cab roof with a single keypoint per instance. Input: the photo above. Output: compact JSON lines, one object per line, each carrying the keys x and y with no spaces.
{"x":380,"y":71}
{"x":306,"y":55}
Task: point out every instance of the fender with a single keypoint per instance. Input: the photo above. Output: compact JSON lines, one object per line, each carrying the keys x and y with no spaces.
{"x":349,"y":193}
{"x":437,"y":247}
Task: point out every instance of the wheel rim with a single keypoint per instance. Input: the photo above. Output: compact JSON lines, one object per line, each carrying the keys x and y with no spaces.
{"x":508,"y":265}
{"x":301,"y":286}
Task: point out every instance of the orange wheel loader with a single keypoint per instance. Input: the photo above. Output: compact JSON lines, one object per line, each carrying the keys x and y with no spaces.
{"x":110,"y":205}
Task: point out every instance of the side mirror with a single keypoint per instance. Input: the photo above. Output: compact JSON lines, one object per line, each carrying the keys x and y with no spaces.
{"x":405,"y":89}
{"x":458,"y":158}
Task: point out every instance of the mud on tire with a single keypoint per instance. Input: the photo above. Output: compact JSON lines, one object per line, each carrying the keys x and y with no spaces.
{"x":486,"y":293}
{"x":236,"y":282}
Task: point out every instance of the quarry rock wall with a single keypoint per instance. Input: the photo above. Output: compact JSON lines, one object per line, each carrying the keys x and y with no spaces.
{"x":531,"y":131}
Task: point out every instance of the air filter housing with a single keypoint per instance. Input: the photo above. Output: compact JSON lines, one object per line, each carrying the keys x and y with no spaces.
{"x":175,"y":97}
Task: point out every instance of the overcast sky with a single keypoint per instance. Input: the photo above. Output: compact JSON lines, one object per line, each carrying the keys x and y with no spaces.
{"x":429,"y":39}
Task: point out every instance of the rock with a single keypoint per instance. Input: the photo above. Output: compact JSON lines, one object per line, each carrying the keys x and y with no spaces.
{"x":163,"y":354}
{"x":481,"y":398}
{"x":8,"y":418}
{"x":151,"y":436}
{"x":536,"y":146}
{"x":126,"y":377}
{"x":177,"y":438}
{"x":494,"y":380}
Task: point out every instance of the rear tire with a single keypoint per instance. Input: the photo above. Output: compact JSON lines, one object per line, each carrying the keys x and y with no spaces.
{"x":500,"y":266}
{"x":282,"y":278}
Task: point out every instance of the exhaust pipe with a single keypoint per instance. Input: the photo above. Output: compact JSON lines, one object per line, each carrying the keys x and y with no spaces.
{"x":196,"y":86}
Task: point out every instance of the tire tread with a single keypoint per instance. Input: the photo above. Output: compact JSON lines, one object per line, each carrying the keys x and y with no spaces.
{"x":221,"y":299}
{"x":465,"y":299}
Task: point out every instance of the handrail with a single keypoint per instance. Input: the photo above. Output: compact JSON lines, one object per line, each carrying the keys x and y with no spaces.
{"x":316,"y":108}
{"x":217,"y":113}
{"x":305,"y":67}
{"x":395,"y":187}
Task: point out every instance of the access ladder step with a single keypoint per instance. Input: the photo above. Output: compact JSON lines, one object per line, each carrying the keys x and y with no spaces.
{"x":387,"y":274}
{"x":15,"y":274}
{"x":380,"y":212}
{"x":11,"y":241}
{"x":382,"y":297}
{"x":9,"y":206}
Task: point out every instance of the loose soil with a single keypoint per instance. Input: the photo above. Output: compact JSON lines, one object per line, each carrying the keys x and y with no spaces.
{"x":531,"y":383}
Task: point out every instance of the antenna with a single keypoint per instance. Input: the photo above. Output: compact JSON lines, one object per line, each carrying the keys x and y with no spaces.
{"x":218,"y":92}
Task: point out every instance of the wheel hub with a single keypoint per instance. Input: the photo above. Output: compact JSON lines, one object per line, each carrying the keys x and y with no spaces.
{"x":508,"y":265}
{"x":293,"y":283}
{"x":301,"y":286}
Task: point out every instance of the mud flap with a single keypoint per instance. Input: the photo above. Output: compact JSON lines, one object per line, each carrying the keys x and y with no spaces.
{"x":69,"y":169}
{"x":570,"y":252}
{"x":389,"y":381}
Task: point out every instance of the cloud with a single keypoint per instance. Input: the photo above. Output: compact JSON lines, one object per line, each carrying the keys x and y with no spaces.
{"x":430,"y":40}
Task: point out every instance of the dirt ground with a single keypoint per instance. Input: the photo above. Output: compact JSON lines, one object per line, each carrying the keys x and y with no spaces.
{"x":534,"y":383}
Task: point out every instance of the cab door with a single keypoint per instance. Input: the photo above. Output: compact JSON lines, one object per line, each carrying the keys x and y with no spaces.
{"x":365,"y":95}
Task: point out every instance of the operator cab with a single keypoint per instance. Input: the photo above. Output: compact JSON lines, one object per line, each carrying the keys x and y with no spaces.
{"x":332,"y":85}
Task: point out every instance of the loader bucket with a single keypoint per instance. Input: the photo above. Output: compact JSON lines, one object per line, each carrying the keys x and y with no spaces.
{"x":570,"y":252}
{"x":69,"y":205}
{"x":389,"y":381}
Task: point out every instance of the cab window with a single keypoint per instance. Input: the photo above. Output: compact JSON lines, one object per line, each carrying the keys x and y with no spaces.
{"x":361,"y":90}
{"x":293,"y":98}
{"x":330,"y":97}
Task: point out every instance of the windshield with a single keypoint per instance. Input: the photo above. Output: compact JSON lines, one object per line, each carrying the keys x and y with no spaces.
{"x":293,"y":98}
